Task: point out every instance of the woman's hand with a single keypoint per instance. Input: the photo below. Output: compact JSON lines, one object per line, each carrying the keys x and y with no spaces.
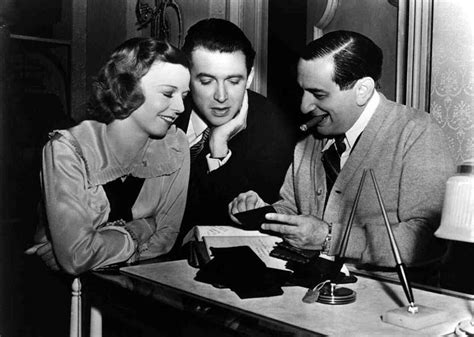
{"x":45,"y":251}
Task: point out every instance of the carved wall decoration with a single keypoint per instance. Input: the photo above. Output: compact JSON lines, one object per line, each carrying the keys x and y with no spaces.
{"x":166,"y":20}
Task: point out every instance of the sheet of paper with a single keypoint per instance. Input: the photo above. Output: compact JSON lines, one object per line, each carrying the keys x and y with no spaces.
{"x":262,"y":246}
{"x":202,"y":231}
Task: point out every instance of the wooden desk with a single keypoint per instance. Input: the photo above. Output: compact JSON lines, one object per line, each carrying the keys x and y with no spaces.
{"x":173,"y":283}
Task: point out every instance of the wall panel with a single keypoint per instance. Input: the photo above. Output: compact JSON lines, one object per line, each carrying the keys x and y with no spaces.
{"x":452,"y":81}
{"x":377,"y":20}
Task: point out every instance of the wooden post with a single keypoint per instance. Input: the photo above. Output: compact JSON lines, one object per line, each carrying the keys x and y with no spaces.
{"x":76,"y":319}
{"x":96,"y":323}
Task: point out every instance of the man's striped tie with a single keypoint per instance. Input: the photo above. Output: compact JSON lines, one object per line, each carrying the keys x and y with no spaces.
{"x":332,"y":162}
{"x":197,"y":148}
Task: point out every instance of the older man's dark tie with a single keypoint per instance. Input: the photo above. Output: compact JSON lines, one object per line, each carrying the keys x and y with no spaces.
{"x":332,"y":162}
{"x":197,"y":148}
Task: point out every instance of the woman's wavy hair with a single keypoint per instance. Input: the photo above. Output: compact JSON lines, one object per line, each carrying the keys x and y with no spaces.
{"x":116,"y":90}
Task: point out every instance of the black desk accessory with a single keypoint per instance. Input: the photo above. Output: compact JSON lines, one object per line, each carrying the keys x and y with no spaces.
{"x":287,"y":252}
{"x":254,"y":218}
{"x":241,"y":270}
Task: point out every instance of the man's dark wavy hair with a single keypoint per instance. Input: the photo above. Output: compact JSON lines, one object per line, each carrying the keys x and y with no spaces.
{"x":355,"y":56}
{"x":219,"y":35}
{"x":116,"y":90}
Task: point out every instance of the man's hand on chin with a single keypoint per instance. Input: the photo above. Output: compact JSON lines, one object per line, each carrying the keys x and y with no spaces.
{"x":222,"y":134}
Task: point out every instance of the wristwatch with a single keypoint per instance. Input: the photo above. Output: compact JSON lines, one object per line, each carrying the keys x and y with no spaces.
{"x":327,"y":240}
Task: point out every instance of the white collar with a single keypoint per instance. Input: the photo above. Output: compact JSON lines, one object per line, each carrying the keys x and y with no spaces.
{"x":196,"y":126}
{"x":354,"y":132}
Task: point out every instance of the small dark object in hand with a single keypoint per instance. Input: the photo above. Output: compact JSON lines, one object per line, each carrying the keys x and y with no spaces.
{"x":253,"y":219}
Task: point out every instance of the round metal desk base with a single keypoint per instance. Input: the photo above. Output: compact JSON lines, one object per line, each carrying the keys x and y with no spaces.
{"x":337,"y":296}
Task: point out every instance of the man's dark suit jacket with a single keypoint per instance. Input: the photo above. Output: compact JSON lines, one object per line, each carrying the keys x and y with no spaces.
{"x":261,"y":155}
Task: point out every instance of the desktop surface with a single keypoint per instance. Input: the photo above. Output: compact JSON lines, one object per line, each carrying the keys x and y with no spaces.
{"x":173,"y":283}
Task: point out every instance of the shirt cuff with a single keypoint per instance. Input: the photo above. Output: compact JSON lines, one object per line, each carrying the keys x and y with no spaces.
{"x":215,"y":163}
{"x":129,"y":248}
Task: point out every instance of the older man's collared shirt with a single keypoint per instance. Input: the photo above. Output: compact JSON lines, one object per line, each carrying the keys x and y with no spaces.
{"x":354,"y":132}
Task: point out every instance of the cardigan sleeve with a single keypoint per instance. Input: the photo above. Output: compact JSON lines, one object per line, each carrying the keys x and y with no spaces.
{"x":426,"y":164}
{"x":287,"y":202}
{"x":291,"y":195}
{"x":79,"y":242}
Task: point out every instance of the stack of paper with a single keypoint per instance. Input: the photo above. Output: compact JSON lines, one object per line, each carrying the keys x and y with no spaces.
{"x":227,"y":236}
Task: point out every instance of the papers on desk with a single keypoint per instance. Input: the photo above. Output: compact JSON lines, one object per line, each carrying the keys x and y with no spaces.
{"x":228,"y":236}
{"x":261,"y":245}
{"x":202,"y":231}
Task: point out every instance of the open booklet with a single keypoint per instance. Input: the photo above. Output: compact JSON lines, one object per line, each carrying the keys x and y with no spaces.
{"x":269,"y":248}
{"x":227,"y":236}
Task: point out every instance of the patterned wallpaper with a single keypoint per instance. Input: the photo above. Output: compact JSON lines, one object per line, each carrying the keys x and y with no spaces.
{"x":452,"y":77}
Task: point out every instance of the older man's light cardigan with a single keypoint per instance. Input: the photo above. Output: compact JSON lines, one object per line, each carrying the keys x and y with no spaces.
{"x":411,"y":161}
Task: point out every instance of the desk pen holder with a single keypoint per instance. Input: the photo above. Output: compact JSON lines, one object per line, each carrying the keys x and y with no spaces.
{"x":413,"y":316}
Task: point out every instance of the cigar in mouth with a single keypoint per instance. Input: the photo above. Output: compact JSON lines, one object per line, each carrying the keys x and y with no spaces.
{"x":312,"y":122}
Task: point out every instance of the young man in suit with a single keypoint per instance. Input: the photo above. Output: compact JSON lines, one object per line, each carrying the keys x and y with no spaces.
{"x":359,"y":128}
{"x":247,"y":142}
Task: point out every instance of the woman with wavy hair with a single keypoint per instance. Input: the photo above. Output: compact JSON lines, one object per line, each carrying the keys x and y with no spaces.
{"x":114,"y":186}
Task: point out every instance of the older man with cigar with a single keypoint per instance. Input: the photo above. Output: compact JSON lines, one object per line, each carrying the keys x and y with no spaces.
{"x":354,"y":127}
